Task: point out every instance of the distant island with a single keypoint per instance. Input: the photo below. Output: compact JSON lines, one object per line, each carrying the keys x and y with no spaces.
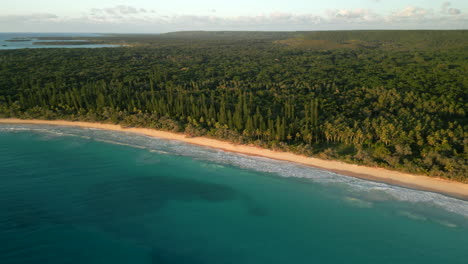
{"x":18,"y":40}
{"x":58,"y":38}
{"x":61,"y":43}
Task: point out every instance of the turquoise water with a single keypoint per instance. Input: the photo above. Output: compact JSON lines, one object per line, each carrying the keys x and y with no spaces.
{"x":7,"y":45}
{"x":72,"y":195}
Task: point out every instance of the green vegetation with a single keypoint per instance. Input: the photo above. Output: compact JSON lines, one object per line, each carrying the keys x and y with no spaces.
{"x":386,"y":40}
{"x":395,"y":99}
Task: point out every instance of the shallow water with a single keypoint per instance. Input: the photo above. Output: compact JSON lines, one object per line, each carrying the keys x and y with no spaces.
{"x":7,"y":45}
{"x":73,"y":195}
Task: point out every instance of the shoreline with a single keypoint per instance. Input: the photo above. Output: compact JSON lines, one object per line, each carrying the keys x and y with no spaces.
{"x":420,"y":182}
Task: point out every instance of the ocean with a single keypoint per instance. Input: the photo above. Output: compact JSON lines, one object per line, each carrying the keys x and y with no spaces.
{"x":75,"y":195}
{"x":33,"y":37}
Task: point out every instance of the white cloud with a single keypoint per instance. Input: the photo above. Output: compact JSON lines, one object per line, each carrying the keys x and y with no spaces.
{"x":39,"y":17}
{"x":119,"y":10}
{"x":446,"y":9}
{"x":454,"y":11}
{"x":411,"y":13}
{"x":353,"y":15}
{"x":123,"y":18}
{"x":445,"y":6}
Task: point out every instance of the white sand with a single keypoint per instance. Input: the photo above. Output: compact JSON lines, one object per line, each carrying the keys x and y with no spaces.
{"x":421,"y":182}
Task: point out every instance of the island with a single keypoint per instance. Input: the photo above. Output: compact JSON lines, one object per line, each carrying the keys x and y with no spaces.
{"x":61,"y":43}
{"x":393,"y":100}
{"x":18,"y":40}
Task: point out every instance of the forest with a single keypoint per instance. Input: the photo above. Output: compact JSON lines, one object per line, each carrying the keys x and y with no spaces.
{"x":393,"y":99}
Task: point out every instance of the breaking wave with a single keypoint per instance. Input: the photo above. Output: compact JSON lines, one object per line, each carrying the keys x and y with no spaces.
{"x":367,"y":190}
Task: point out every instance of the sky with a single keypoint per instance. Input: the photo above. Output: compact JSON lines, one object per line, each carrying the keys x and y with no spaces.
{"x":157,"y":16}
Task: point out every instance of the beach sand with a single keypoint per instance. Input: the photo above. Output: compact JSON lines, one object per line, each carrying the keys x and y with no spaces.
{"x":450,"y":188}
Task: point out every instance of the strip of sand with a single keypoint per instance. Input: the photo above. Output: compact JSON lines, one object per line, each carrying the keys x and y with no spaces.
{"x":451,"y":188}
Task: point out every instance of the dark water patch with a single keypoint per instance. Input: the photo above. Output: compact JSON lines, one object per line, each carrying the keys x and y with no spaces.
{"x":133,"y":231}
{"x":23,"y":214}
{"x":159,"y":256}
{"x":253,"y":207}
{"x":142,"y":195}
{"x":256,"y":210}
{"x":70,"y":199}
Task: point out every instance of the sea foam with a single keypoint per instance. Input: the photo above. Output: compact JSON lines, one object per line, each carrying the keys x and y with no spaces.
{"x":365,"y":189}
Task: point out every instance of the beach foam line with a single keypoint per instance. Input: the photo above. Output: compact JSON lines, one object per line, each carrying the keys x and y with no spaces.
{"x":365,"y":190}
{"x":420,"y":182}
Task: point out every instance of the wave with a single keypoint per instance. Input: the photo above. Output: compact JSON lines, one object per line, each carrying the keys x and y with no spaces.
{"x":367,"y":191}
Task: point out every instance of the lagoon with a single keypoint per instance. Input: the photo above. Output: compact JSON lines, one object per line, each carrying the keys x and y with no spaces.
{"x":74,"y":195}
{"x":28,"y":40}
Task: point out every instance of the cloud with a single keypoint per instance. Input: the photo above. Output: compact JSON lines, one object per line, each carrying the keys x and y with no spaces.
{"x":32,"y":18}
{"x":124,"y":18}
{"x":352,"y":15}
{"x":411,"y":13}
{"x":445,"y":6}
{"x":119,"y":10}
{"x":115,"y":15}
{"x":454,"y":11}
{"x":446,"y":9}
{"x":128,"y":14}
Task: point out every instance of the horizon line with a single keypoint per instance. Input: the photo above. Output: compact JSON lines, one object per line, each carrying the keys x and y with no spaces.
{"x":272,"y":31}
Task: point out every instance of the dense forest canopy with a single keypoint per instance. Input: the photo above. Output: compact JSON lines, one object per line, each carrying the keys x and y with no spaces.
{"x":396,"y":99}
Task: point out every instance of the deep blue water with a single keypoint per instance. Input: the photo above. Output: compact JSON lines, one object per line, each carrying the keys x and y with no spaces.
{"x":7,"y":45}
{"x":72,"y":195}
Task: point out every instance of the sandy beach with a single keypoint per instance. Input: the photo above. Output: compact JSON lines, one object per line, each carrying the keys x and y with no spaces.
{"x":420,"y":182}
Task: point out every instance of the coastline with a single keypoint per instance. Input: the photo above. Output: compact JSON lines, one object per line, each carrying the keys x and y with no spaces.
{"x":419,"y":182}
